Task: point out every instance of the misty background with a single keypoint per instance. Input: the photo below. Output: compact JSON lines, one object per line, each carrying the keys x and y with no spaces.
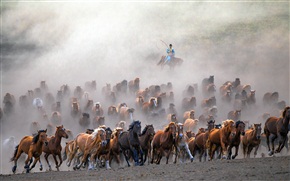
{"x":73,"y":42}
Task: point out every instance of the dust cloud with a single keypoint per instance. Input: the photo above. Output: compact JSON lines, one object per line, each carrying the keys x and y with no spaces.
{"x":73,"y":42}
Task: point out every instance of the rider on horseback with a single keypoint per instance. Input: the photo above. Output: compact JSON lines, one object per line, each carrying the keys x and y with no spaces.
{"x":170,"y":54}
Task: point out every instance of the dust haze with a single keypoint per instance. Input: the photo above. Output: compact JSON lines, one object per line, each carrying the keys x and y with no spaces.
{"x":73,"y":42}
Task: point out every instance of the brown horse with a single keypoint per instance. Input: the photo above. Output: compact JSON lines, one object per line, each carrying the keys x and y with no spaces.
{"x":149,"y":106}
{"x":210,"y":102}
{"x":146,"y":138}
{"x":252,"y":139}
{"x":234,"y":115}
{"x":190,"y":124}
{"x":188,"y":115}
{"x":56,"y":118}
{"x":54,"y":146}
{"x":172,"y":118}
{"x":139,"y":102}
{"x":236,"y":140}
{"x":104,"y":153}
{"x":32,"y":146}
{"x":115,"y":147}
{"x":188,"y":103}
{"x":97,"y":110}
{"x":270,"y":98}
{"x":75,"y":109}
{"x":200,"y":140}
{"x":134,"y":85}
{"x":112,"y":112}
{"x":85,"y":120}
{"x":126,"y":114}
{"x":88,"y":144}
{"x":98,"y":121}
{"x":163,"y":142}
{"x":277,"y":127}
{"x":221,"y":137}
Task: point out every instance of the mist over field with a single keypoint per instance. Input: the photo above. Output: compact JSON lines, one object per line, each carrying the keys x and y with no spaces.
{"x":73,"y":42}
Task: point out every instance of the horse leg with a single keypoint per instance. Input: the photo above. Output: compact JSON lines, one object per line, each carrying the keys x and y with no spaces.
{"x":40,"y":168}
{"x":33,"y":165}
{"x":236,"y":152}
{"x":188,"y":152}
{"x":282,"y":141}
{"x":229,"y":152}
{"x":56,"y":162}
{"x":244,"y":150}
{"x":250,"y":148}
{"x":46,"y":158}
{"x":126,"y":157}
{"x":141,"y":156}
{"x":256,"y":149}
{"x":60,"y":159}
{"x":29,"y":157}
{"x":224,"y":150}
{"x":108,"y":161}
{"x":19,"y":152}
{"x":272,"y":137}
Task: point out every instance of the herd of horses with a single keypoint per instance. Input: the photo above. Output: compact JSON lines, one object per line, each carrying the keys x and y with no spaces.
{"x":180,"y":136}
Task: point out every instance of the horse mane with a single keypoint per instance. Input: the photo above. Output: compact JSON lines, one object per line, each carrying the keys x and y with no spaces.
{"x":95,"y":133}
{"x":144,"y":130}
{"x":166,"y":129}
{"x":284,"y":112}
{"x":239,"y":122}
{"x":227,"y":122}
{"x":132,"y":124}
{"x":36,"y":137}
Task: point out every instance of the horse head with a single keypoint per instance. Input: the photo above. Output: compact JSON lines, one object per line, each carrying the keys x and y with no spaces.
{"x":40,"y":137}
{"x":61,"y":132}
{"x":286,"y":113}
{"x":240,"y":125}
{"x":179,"y":127}
{"x":210,"y":124}
{"x":171,"y":128}
{"x":135,"y":127}
{"x":99,"y":134}
{"x":230,"y":127}
{"x":148,"y":130}
{"x":258,"y":129}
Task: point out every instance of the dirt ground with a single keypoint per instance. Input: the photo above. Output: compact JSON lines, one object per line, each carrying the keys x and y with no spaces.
{"x":267,"y":168}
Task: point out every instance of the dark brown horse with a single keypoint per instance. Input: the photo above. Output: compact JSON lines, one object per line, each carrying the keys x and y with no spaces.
{"x":277,"y":128}
{"x":98,"y":121}
{"x":32,"y":146}
{"x":54,"y":146}
{"x":162,"y":143}
{"x":200,"y":140}
{"x":221,"y":138}
{"x":252,"y":139}
{"x":85,"y":120}
{"x":146,"y":138}
{"x":188,"y":103}
{"x":129,"y":143}
{"x":235,"y":141}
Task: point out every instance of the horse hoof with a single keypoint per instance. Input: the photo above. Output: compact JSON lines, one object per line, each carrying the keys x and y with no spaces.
{"x":13,"y":169}
{"x":42,"y":168}
{"x":27,"y":170}
{"x":233,"y":157}
{"x":191,"y":160}
{"x":270,"y":153}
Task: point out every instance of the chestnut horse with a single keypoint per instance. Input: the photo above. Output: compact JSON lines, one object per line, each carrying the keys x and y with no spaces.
{"x":32,"y":146}
{"x":54,"y":146}
{"x":221,"y":137}
{"x":200,"y":140}
{"x":172,"y":63}
{"x":146,"y":138}
{"x":163,"y":142}
{"x":252,"y":139}
{"x":114,"y":145}
{"x":88,"y":145}
{"x":134,"y":85}
{"x":236,"y":140}
{"x":277,"y":127}
{"x":129,"y":143}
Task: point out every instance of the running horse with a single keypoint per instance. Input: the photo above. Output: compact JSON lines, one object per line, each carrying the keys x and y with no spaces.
{"x":54,"y":146}
{"x":252,"y":139}
{"x":221,"y":137}
{"x":88,"y":145}
{"x":163,"y":142}
{"x":201,"y":138}
{"x":32,"y":146}
{"x":277,"y":127}
{"x":181,"y":144}
{"x":146,"y":138}
{"x":236,"y":140}
{"x":172,"y":63}
{"x":129,"y":143}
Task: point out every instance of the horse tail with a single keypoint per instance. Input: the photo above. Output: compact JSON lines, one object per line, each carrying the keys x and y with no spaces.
{"x":15,"y":152}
